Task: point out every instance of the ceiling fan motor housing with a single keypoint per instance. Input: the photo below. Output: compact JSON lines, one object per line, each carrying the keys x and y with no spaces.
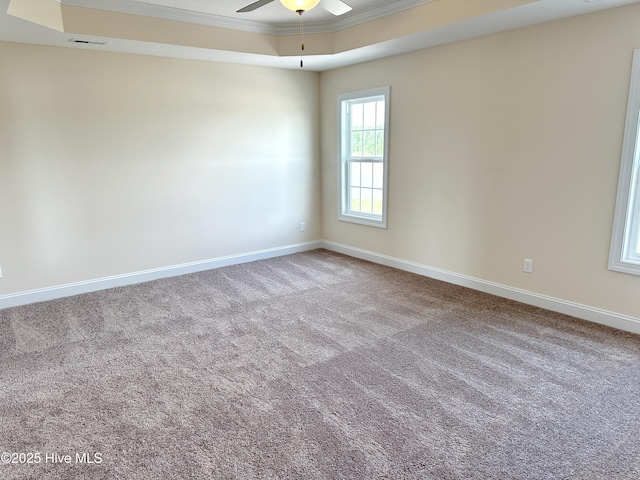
{"x":299,"y":6}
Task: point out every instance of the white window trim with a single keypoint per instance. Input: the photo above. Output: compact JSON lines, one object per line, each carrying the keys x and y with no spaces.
{"x":362,"y":219}
{"x":625,"y":223}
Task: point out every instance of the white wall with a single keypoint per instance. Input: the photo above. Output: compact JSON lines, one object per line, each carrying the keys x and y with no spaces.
{"x":114,"y":163}
{"x":502,"y":148}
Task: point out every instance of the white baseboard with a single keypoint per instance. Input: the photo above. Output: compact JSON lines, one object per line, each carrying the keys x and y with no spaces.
{"x":585,"y":312}
{"x":69,"y":289}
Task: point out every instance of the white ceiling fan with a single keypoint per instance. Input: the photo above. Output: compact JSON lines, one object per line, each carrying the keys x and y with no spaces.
{"x":337,"y":7}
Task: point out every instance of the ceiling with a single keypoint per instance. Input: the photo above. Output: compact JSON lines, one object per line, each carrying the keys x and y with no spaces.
{"x":274,"y":13}
{"x":212,"y":30}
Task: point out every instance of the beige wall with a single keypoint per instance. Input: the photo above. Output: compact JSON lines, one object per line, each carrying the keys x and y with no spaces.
{"x":114,"y":163}
{"x":503,"y":148}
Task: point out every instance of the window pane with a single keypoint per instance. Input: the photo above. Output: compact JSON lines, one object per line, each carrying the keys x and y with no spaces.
{"x":370,"y":115}
{"x":634,"y":225}
{"x":354,"y":174}
{"x":355,"y":199}
{"x":631,"y":249}
{"x":380,"y":114}
{"x":356,"y":116}
{"x":379,"y":143}
{"x":356,"y":144}
{"x":378,"y":175}
{"x":377,"y":202}
{"x":366,"y":200}
{"x":363,"y":140}
{"x":367,"y":174}
{"x":369,"y":143}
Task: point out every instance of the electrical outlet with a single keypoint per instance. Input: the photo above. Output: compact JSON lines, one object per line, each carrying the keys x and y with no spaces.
{"x":303,"y":226}
{"x":528,"y":265}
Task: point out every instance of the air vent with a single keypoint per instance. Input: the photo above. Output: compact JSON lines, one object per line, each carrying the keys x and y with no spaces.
{"x":88,"y":42}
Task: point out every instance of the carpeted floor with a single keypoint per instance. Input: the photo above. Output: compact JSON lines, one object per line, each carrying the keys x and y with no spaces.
{"x":313,"y":366}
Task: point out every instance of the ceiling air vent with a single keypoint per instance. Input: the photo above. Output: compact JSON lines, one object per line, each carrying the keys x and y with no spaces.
{"x":88,"y":42}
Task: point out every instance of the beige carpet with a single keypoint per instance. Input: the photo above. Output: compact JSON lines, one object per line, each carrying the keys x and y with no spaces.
{"x":313,"y":366}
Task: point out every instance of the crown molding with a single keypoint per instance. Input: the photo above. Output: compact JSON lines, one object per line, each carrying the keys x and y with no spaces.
{"x":174,"y":14}
{"x":201,"y":18}
{"x":375,"y":13}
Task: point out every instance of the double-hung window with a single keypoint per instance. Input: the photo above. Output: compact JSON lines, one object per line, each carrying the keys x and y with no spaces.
{"x":363,"y":119}
{"x":625,"y":242}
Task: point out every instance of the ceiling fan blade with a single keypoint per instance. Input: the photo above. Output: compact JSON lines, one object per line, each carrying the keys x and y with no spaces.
{"x":337,"y":7}
{"x":254,"y":5}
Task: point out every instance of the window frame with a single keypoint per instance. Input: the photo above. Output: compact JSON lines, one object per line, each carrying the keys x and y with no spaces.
{"x":344,"y":139}
{"x":624,"y":255}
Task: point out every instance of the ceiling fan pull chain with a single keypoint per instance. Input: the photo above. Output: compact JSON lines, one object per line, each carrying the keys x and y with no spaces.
{"x":301,"y":36}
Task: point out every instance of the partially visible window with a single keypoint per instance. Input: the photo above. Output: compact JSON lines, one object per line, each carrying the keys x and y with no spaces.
{"x":625,"y":242}
{"x":364,"y":145}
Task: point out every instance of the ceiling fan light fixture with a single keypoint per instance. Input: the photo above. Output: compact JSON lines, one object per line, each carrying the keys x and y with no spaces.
{"x":299,"y":5}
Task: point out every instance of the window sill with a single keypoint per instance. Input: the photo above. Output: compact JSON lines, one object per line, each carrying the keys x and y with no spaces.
{"x":625,"y":267}
{"x":361,"y":220}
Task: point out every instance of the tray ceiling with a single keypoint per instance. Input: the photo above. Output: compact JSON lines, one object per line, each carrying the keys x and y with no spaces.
{"x":212,"y":30}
